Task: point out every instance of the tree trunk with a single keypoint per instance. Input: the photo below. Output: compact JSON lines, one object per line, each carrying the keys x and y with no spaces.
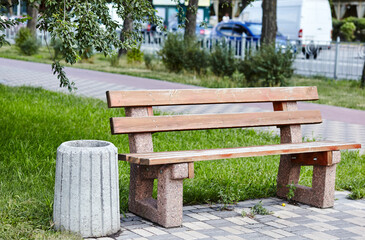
{"x":10,"y":9}
{"x":127,"y":29}
{"x":32,"y":10}
{"x":191,"y":19}
{"x":269,"y":27}
{"x":363,"y":77}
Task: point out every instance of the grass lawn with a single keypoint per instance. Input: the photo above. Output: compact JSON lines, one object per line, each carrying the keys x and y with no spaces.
{"x":34,"y":122}
{"x":343,"y":93}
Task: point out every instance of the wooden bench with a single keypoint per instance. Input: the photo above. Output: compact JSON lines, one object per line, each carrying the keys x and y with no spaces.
{"x":170,"y":168}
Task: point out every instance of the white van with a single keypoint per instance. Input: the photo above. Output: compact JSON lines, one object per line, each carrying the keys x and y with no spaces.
{"x":309,"y":22}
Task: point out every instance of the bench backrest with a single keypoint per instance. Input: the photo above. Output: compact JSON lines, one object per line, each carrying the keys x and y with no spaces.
{"x":140,"y":119}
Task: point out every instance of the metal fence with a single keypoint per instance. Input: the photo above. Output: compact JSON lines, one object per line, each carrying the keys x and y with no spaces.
{"x":338,"y":60}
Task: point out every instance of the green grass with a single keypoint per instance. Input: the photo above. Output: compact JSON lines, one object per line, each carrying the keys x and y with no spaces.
{"x":342,"y":93}
{"x":34,"y":122}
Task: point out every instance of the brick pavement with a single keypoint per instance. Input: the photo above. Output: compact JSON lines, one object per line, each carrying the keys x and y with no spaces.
{"x":345,"y":221}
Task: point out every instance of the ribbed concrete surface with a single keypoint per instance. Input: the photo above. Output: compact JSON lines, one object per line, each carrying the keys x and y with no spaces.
{"x":87,"y":188}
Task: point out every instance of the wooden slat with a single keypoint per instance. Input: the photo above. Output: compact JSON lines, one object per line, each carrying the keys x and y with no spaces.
{"x":122,"y":125}
{"x":191,"y":169}
{"x":313,"y":158}
{"x":157,"y":158}
{"x":209,"y":96}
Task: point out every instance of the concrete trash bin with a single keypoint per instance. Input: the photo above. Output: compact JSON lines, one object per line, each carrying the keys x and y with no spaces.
{"x":86,"y":199}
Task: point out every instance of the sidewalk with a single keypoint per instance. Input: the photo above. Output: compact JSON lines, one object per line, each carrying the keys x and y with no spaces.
{"x":345,"y":221}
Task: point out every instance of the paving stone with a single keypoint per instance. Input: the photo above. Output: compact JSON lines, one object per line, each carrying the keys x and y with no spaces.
{"x":341,"y":233}
{"x":127,"y":235}
{"x":137,"y":226}
{"x":320,"y":236}
{"x":188,"y":219}
{"x":357,"y":220}
{"x":265,"y":218}
{"x":299,"y":230}
{"x":301,"y":220}
{"x":186,"y":208}
{"x":357,"y":213}
{"x":295,"y":237}
{"x":131,"y":223}
{"x":268,"y":228}
{"x":225,"y":214}
{"x":201,"y":210}
{"x":162,"y":237}
{"x":213,"y":232}
{"x":257,"y":235}
{"x":255,"y":226}
{"x":341,"y":215}
{"x":177,"y":229}
{"x":357,"y":230}
{"x":219,"y":223}
{"x":341,"y":224}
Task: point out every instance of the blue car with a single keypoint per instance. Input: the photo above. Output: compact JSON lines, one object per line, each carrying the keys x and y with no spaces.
{"x":236,"y":30}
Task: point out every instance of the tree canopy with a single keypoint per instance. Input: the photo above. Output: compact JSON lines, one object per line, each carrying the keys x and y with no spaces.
{"x":85,"y":25}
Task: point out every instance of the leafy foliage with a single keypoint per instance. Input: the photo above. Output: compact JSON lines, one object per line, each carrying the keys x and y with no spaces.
{"x":84,"y":25}
{"x":291,"y":191}
{"x":26,"y":42}
{"x":149,"y":59}
{"x":180,"y":53}
{"x":267,"y":67}
{"x":257,"y":209}
{"x":222,"y":59}
{"x":172,"y":52}
{"x":347,"y":30}
{"x":135,"y":55}
{"x":347,"y":33}
{"x":195,"y":58}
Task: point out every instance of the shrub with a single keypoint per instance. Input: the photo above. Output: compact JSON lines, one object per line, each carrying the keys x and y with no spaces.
{"x":347,"y":31}
{"x":148,"y":60}
{"x":178,"y":53}
{"x":26,"y":42}
{"x":222,"y":61}
{"x":135,"y":55}
{"x":267,"y":67}
{"x":172,"y":52}
{"x":114,"y":60}
{"x":358,"y":32}
{"x":195,"y":58}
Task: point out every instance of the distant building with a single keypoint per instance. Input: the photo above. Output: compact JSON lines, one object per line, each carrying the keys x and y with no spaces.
{"x":348,"y":8}
{"x":167,"y":9}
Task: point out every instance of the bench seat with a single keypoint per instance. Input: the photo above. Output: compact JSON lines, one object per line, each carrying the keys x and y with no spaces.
{"x":158,"y":158}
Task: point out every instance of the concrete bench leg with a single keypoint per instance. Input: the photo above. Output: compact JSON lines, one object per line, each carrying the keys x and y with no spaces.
{"x":167,"y":209}
{"x":321,"y":194}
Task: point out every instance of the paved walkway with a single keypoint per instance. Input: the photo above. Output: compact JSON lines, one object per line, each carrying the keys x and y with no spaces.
{"x":345,"y":221}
